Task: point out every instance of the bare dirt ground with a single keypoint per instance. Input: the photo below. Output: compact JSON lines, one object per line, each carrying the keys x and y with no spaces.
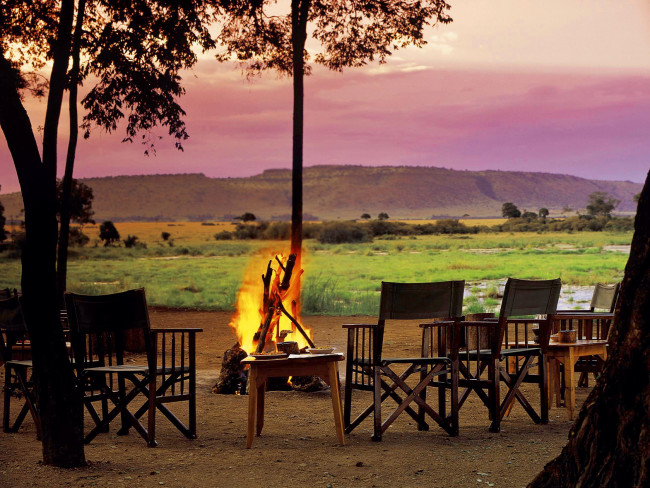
{"x":298,"y":445}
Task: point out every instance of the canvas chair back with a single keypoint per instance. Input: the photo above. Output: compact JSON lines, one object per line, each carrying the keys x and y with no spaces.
{"x":417,"y":301}
{"x":604,"y":297}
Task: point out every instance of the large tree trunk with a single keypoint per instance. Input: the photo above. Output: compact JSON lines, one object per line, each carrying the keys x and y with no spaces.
{"x":59,"y":403}
{"x":299,"y":13}
{"x":609,"y":444}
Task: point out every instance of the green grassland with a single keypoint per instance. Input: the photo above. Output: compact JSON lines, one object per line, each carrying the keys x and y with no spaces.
{"x":339,"y":278}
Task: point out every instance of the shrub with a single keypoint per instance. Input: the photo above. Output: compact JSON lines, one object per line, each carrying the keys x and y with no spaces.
{"x":77,"y":237}
{"x":132,"y":241}
{"x":277,"y":231}
{"x":224,"y":235}
{"x":382,"y":227}
{"x":339,"y":232}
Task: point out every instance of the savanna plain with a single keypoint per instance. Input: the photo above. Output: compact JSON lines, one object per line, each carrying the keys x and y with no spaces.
{"x":192,"y":280}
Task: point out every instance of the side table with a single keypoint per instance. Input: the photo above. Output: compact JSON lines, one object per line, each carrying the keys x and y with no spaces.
{"x":323,"y":365}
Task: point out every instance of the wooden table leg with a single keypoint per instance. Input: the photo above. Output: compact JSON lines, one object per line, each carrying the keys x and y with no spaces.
{"x":550,"y":367}
{"x":335,"y":391}
{"x":252,"y":406}
{"x":569,"y":383}
{"x":261,"y":391}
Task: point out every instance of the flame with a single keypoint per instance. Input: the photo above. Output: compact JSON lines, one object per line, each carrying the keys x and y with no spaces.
{"x":250,"y":312}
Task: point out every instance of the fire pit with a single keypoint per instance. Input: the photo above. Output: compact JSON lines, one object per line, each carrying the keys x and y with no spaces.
{"x":266,"y":314}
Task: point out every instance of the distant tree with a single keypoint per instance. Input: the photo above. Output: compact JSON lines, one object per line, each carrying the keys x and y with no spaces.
{"x":365,"y":216}
{"x":528,"y":215}
{"x":601,"y":203}
{"x":347,"y":34}
{"x":165,"y":236}
{"x":510,"y":211}
{"x":3,"y":220}
{"x":108,"y":233}
{"x":3,"y":231}
{"x":566,"y":209}
{"x":383,"y":216}
{"x":247,"y":217}
{"x":81,"y":201}
{"x":543,"y":213}
{"x":636,"y":197}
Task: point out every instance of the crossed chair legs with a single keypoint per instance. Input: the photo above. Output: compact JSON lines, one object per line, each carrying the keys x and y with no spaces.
{"x":17,"y":383}
{"x":121,"y":399}
{"x":435,"y":374}
{"x":513,"y":373}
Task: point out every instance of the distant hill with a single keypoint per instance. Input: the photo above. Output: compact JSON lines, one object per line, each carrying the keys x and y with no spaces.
{"x":341,"y":192}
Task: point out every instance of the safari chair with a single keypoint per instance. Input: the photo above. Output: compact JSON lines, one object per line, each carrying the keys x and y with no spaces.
{"x":368,"y":370}
{"x":98,"y":325}
{"x":592,"y":324}
{"x":15,"y":352}
{"x":512,"y":356}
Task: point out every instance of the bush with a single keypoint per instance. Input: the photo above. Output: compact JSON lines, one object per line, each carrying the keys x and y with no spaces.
{"x":224,"y":235}
{"x":278,"y":231}
{"x":77,"y":237}
{"x":383,"y":227}
{"x":250,"y":231}
{"x":339,"y":232}
{"x":132,"y":241}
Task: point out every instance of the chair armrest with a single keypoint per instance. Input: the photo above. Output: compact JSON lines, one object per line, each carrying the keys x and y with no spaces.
{"x":582,"y":316}
{"x":175,"y":329}
{"x":439,"y":324}
{"x":359,"y":326}
{"x":528,"y":321}
{"x":479,"y":323}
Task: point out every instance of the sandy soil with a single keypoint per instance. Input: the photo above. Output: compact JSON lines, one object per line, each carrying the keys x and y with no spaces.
{"x":298,"y":445}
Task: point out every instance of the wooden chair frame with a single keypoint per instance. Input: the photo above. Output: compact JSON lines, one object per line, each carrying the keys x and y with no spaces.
{"x":97,"y":329}
{"x":511,"y":356}
{"x":367,"y":369}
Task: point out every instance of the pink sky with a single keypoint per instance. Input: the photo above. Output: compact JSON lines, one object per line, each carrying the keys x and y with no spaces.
{"x":555,"y":86}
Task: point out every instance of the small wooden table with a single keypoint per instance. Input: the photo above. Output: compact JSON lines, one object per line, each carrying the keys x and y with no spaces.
{"x":323,"y":365}
{"x":568,"y":354}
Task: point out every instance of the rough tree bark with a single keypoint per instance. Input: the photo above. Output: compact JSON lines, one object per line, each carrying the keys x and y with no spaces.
{"x":609,"y":444}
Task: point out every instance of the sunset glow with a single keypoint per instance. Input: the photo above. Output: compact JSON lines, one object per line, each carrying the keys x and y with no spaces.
{"x":554,"y":86}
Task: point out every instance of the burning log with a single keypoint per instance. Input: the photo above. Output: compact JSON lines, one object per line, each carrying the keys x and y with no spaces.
{"x":288,"y":271}
{"x":272,"y":306}
{"x":296,"y":323}
{"x":265,"y":329}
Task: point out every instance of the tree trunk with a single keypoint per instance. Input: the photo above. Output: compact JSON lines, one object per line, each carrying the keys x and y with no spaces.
{"x":64,"y":232}
{"x":59,"y":403}
{"x":609,"y":444}
{"x":299,"y":13}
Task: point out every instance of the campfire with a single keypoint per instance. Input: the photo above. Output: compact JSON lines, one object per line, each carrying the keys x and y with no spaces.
{"x":267,"y":319}
{"x":269,"y":310}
